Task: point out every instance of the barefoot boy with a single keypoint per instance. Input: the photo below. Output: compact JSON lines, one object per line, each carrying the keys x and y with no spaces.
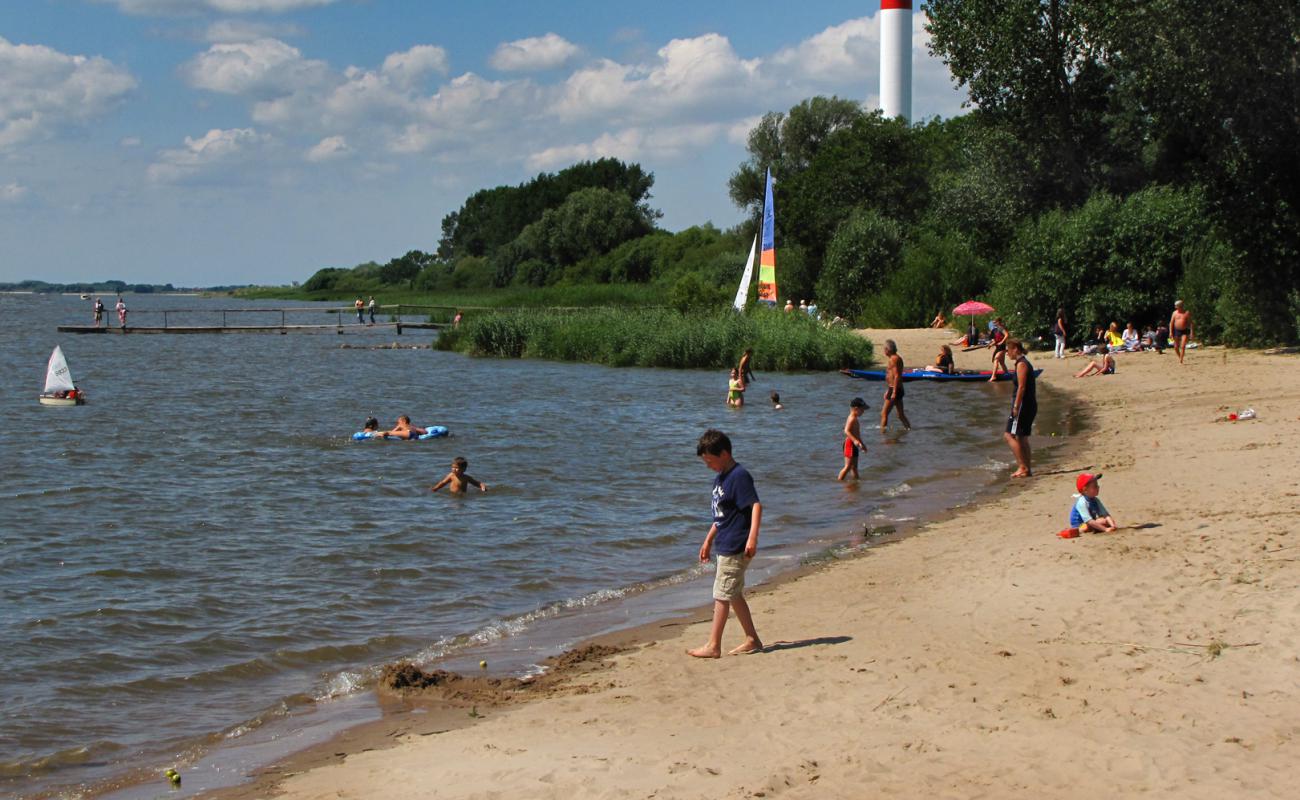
{"x":1088,"y":513}
{"x":733,"y":537}
{"x":853,"y":438}
{"x":458,"y":479}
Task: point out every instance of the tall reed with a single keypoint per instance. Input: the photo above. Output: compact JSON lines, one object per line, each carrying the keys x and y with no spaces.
{"x":660,"y":338}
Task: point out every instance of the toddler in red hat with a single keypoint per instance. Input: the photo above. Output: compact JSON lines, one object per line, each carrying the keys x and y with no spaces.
{"x":1088,"y":513}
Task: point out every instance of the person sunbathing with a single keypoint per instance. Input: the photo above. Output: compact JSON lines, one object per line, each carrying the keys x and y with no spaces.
{"x":1102,"y":366}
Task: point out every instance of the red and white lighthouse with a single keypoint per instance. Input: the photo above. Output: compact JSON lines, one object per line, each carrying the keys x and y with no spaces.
{"x":896,"y":58}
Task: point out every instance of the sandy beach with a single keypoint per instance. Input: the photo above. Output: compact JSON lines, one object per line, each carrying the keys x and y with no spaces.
{"x":981,"y":657}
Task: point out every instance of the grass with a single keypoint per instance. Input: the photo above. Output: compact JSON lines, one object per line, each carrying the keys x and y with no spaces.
{"x":659,"y":337}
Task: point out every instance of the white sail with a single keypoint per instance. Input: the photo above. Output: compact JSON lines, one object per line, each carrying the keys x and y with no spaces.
{"x":58,"y":378}
{"x":742,"y":294}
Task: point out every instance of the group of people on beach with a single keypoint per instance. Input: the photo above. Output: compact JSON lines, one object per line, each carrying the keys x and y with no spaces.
{"x":1108,"y":341}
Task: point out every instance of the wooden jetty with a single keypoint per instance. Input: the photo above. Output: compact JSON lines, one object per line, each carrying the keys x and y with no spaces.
{"x":344,"y":321}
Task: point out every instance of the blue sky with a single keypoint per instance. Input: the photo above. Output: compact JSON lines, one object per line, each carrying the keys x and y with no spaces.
{"x":204,"y":142}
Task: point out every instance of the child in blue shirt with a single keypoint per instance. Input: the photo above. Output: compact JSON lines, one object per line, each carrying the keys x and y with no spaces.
{"x":1088,"y":512}
{"x":733,"y":538}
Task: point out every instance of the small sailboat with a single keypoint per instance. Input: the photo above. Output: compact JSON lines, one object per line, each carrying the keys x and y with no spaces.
{"x":767,"y":261}
{"x":59,"y":388}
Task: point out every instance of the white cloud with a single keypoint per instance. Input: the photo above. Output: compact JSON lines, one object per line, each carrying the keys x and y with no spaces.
{"x":630,"y":144}
{"x":244,"y":30}
{"x":687,"y":79}
{"x":12,"y":192}
{"x":533,"y":54}
{"x":264,"y":67}
{"x":328,"y":149}
{"x":840,"y":53}
{"x":43,"y":90}
{"x":688,"y":95}
{"x":215,"y":148}
{"x":129,"y":141}
{"x":409,"y":67}
{"x":180,"y":7}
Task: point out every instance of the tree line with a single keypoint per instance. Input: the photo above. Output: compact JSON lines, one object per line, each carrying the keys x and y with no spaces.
{"x":1114,"y":157}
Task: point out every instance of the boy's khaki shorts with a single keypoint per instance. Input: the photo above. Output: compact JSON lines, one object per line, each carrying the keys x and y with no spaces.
{"x":729,"y":582}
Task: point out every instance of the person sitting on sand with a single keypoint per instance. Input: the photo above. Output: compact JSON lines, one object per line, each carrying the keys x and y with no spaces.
{"x":735,"y":390}
{"x":972,"y":337}
{"x":939,"y":321}
{"x":1114,"y":340}
{"x":943,"y":362}
{"x":733,"y":540}
{"x":776,"y":402}
{"x":1097,"y":343}
{"x":1088,"y":513}
{"x":1132,"y":342}
{"x":404,"y":430}
{"x":457,"y":478}
{"x":1102,"y":366}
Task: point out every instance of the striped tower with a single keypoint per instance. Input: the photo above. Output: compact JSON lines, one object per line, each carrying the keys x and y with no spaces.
{"x":896,"y":58}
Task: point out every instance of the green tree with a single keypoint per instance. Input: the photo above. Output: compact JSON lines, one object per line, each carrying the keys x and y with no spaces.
{"x":864,"y":250}
{"x":1032,"y":66}
{"x":491,"y":218}
{"x":787,"y":144}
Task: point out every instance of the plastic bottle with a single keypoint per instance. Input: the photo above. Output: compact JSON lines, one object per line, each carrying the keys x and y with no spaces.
{"x":1247,"y":414}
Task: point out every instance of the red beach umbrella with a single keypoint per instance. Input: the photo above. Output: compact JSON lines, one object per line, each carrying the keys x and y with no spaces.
{"x":972,"y":308}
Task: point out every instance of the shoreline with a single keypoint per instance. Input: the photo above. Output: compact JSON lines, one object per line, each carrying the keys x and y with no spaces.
{"x":981,"y":655}
{"x":404,"y":716}
{"x":837,"y":543}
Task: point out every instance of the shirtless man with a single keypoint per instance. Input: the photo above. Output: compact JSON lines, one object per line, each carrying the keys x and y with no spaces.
{"x":893,"y":387}
{"x":1180,"y":329}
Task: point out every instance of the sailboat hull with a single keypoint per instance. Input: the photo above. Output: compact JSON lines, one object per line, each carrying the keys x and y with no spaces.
{"x":51,"y":400}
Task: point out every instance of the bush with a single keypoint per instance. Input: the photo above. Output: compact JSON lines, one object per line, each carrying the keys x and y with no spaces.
{"x":690,"y":293}
{"x":939,"y":271}
{"x":1110,"y":260}
{"x":660,"y":338}
{"x":323,"y":280}
{"x":864,"y":250}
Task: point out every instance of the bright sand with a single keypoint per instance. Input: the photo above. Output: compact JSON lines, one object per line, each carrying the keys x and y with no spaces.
{"x":982,"y":657}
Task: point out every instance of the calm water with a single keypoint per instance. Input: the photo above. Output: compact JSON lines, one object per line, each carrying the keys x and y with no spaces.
{"x":201,"y":549}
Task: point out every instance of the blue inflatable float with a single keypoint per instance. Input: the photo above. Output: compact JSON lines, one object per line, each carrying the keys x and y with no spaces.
{"x":431,"y":432}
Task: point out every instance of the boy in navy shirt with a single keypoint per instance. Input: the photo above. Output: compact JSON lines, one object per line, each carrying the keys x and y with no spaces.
{"x":733,"y":537}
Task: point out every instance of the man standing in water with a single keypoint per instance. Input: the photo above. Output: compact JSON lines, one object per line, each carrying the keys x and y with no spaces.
{"x":893,"y":387}
{"x":1180,"y":329}
{"x":1024,"y":407}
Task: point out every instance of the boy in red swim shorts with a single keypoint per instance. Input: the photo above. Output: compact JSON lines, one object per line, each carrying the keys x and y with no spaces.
{"x":853,"y":438}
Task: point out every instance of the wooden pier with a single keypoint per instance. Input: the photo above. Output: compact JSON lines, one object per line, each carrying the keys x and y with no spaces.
{"x":344,"y":321}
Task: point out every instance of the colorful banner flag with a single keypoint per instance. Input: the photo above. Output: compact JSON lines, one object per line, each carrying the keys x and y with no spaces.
{"x":767,"y":261}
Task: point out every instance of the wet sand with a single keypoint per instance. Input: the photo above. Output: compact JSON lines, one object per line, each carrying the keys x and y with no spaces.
{"x":982,"y":657}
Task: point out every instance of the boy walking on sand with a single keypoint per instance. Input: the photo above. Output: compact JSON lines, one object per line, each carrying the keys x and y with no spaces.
{"x":853,"y":438}
{"x":733,"y":538}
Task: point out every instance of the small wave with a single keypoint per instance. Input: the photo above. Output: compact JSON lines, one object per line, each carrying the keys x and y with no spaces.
{"x":902,"y":488}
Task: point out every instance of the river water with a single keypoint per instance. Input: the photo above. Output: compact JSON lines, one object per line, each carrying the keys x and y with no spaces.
{"x":201,"y":557}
